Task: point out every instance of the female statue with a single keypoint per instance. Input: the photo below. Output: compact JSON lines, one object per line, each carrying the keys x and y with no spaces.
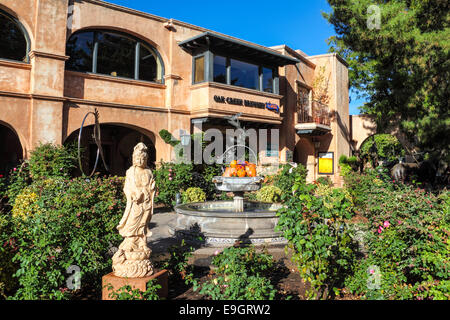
{"x":132,"y":258}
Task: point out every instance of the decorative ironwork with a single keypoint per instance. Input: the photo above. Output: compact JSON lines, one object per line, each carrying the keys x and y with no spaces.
{"x":310,"y":111}
{"x":98,"y":142}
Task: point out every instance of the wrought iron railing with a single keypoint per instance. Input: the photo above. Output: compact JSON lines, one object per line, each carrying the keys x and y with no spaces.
{"x":314,"y":113}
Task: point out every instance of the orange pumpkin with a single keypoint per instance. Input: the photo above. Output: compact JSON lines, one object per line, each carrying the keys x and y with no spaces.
{"x":251,"y":170}
{"x":227,"y":172}
{"x":241,"y":172}
{"x":233,"y":164}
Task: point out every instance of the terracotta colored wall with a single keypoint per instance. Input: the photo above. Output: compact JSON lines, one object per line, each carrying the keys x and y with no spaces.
{"x":44,"y":102}
{"x":362,"y":128}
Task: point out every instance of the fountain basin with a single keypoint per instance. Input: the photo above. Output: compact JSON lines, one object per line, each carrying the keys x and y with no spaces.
{"x":233,"y":184}
{"x":219,"y":225}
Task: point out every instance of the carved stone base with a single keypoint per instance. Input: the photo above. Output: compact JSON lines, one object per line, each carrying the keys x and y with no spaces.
{"x":134,"y":269}
{"x":132,"y":259}
{"x":135,"y":283}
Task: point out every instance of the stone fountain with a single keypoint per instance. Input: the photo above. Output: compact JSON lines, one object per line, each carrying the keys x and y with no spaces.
{"x":222,"y":223}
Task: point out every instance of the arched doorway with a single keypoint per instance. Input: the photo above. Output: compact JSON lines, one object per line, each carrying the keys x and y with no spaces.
{"x":117,"y":142}
{"x":11,"y":151}
{"x":304,"y":154}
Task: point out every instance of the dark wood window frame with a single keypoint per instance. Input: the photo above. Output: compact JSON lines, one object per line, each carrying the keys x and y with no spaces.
{"x":138,"y":44}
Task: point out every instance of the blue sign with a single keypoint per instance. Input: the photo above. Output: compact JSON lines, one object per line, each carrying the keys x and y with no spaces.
{"x":272,"y":107}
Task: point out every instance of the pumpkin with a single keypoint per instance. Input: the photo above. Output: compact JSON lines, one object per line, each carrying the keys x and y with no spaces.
{"x":233,"y":164}
{"x":251,"y":170}
{"x":241,"y":173}
{"x":229,"y":172}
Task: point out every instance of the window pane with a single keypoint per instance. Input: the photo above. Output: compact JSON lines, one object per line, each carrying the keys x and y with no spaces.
{"x":80,"y":48}
{"x":116,"y":55}
{"x":267,"y":80}
{"x":13,"y":44}
{"x":244,"y":74}
{"x":148,"y":69}
{"x":220,"y":69}
{"x":199,"y":69}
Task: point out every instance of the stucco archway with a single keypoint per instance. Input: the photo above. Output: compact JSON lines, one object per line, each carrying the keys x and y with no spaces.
{"x":304,"y":153}
{"x":118,"y":142}
{"x":11,"y":150}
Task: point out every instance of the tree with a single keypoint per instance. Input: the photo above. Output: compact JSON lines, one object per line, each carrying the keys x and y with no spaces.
{"x":398,"y":55}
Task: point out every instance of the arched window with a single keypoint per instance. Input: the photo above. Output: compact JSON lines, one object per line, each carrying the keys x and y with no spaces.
{"x":14,"y":44}
{"x":115,"y":54}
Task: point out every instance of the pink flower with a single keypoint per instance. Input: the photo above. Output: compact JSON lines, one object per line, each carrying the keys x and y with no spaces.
{"x":386,"y":224}
{"x":170,"y":178}
{"x":372,"y":271}
{"x":15,"y":169}
{"x":380,"y":229}
{"x":216,"y":252}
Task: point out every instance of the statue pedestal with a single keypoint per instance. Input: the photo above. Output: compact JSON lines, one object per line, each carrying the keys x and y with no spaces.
{"x":135,"y":283}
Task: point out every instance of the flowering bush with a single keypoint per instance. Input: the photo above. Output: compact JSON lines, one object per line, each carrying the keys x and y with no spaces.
{"x":288,"y":176}
{"x":171,"y":179}
{"x":407,"y":240}
{"x":318,"y":233}
{"x":73,"y":225}
{"x":49,"y":160}
{"x":174,"y":178}
{"x":128,"y":293}
{"x":240,"y":274}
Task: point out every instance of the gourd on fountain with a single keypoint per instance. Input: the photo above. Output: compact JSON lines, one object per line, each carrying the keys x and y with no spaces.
{"x":239,"y":177}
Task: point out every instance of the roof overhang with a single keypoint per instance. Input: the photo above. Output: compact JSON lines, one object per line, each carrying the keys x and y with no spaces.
{"x":235,"y":48}
{"x":312,"y":129}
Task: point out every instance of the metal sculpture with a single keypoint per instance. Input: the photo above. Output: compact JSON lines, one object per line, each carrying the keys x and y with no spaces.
{"x":98,"y":142}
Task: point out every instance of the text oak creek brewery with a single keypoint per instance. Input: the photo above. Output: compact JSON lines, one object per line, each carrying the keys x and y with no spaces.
{"x":239,"y":102}
{"x":243,"y":309}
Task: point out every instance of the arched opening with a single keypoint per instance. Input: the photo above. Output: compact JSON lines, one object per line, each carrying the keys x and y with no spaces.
{"x":115,"y":54}
{"x":10,"y":150}
{"x":382,"y":148}
{"x":117,"y":143}
{"x":14,"y":41}
{"x":304,"y":154}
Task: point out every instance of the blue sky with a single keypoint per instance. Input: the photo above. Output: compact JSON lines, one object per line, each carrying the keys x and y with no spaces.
{"x":296,"y":23}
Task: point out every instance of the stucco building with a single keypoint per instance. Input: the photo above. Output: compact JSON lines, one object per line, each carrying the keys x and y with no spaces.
{"x":60,"y":59}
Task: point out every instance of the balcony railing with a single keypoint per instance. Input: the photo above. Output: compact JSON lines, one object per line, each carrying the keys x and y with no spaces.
{"x":317,"y":113}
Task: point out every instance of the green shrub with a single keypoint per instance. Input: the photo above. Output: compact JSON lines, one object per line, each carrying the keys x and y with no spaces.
{"x":287,"y":176}
{"x":49,"y":160}
{"x":318,"y":233}
{"x":387,"y":147}
{"x":177,"y":264}
{"x":74,"y":225}
{"x":269,"y":194}
{"x":168,"y":138}
{"x":202,"y":178}
{"x":18,"y":179}
{"x":171,"y":179}
{"x":240,"y":273}
{"x":407,"y":243}
{"x":194,"y":194}
{"x":128,"y":293}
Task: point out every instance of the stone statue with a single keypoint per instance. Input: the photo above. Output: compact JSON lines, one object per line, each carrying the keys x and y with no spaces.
{"x":132,"y":258}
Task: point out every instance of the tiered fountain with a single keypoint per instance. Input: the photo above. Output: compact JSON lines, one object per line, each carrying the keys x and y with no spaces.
{"x":222,"y":223}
